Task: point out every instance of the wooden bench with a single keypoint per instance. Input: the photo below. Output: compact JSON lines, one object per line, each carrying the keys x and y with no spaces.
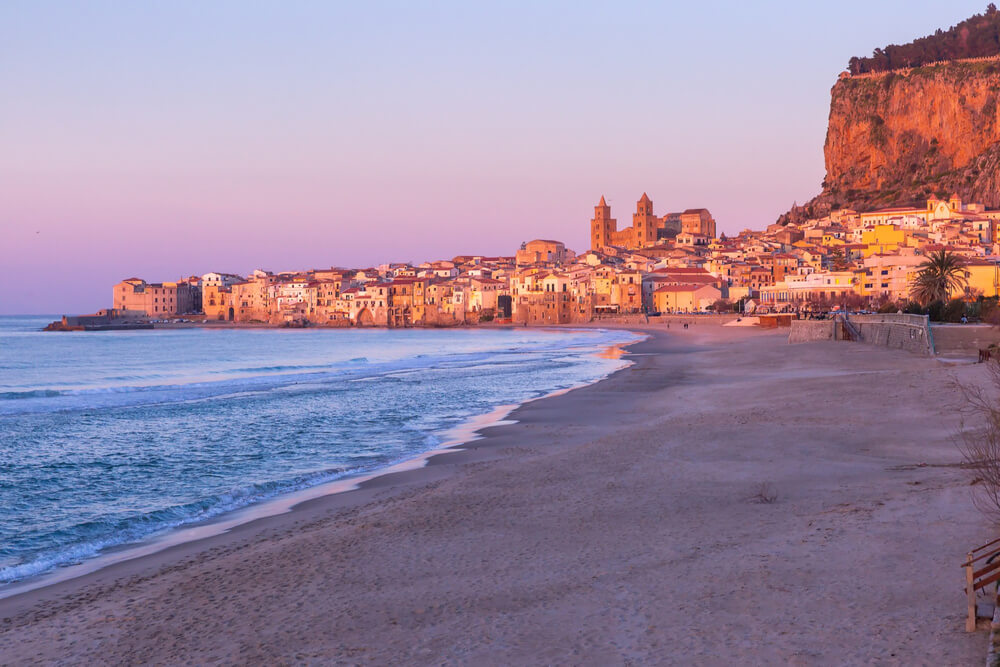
{"x":978,"y":577}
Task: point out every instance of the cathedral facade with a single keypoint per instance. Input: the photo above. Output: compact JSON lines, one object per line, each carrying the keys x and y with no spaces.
{"x":647,"y":229}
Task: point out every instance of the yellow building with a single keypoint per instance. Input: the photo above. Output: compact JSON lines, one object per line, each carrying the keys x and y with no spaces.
{"x":983,"y":278}
{"x":883,"y":239}
{"x":217,"y":302}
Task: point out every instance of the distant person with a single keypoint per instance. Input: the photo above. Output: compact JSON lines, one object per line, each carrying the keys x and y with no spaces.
{"x":965,"y":320}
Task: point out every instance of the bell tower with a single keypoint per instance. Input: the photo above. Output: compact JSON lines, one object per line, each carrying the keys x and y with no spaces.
{"x":602,"y":226}
{"x":644,"y":223}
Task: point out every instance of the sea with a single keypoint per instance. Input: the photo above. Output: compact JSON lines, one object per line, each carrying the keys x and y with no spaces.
{"x":108,"y":439}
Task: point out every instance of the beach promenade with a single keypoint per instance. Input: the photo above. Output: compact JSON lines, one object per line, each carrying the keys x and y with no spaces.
{"x":620,"y":523}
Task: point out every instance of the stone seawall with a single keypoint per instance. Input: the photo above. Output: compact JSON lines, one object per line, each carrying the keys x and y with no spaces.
{"x":964,"y":339}
{"x":901,"y":332}
{"x":810,"y":331}
{"x":628,"y":318}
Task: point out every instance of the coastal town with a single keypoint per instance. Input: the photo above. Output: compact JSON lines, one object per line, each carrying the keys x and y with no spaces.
{"x":375,"y":350}
{"x":660,"y":264}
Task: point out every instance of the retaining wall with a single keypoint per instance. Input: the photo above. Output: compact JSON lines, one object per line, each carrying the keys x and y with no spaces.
{"x":627,"y":318}
{"x":964,"y":338}
{"x":898,"y":331}
{"x":810,"y":331}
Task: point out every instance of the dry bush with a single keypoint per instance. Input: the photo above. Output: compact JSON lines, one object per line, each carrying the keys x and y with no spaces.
{"x":979,"y":439}
{"x":765,"y":494}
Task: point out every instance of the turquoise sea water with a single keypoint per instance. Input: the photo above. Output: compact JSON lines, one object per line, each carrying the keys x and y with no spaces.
{"x":109,"y":438}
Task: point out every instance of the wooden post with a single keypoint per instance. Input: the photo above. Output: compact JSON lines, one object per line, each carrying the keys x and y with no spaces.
{"x":970,"y":622}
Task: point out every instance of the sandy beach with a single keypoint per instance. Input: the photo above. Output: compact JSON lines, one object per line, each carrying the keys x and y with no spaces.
{"x":614,"y":524}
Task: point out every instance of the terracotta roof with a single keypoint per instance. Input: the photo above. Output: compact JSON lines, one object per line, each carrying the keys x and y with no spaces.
{"x":681,"y":269}
{"x":680,"y":288}
{"x":898,"y":209}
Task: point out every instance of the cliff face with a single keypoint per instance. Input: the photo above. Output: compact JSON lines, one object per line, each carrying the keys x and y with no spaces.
{"x":897,"y":139}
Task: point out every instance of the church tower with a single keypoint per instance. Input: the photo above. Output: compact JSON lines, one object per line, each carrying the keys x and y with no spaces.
{"x":644,"y":223}
{"x":602,"y":226}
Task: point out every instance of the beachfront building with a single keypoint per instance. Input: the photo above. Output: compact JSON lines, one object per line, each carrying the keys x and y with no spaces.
{"x":217,"y":302}
{"x":446,"y":302}
{"x":484,"y":294}
{"x":680,"y":275}
{"x":323,"y":297}
{"x":217,"y":296}
{"x":367,"y":305}
{"x":407,"y":301}
{"x":135,"y":298}
{"x":290,"y":295}
{"x":685,"y":298}
{"x":251,"y":299}
{"x":815,"y":289}
{"x":612,"y":290}
{"x":542,"y":297}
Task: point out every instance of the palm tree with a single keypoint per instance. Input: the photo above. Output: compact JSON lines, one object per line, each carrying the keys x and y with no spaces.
{"x":942,"y":273}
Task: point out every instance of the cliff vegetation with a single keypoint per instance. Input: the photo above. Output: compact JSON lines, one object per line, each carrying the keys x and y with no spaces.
{"x":975,"y":37}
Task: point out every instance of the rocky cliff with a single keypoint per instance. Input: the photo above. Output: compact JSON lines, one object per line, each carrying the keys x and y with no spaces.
{"x":895,"y":139}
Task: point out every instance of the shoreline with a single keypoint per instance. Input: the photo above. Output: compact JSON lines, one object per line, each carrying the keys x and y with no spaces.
{"x":622,"y":321}
{"x":611,"y":523}
{"x":456,"y":439}
{"x":142,"y":325}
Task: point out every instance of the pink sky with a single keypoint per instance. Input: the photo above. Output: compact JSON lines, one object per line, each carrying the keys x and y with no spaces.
{"x":180,"y":138}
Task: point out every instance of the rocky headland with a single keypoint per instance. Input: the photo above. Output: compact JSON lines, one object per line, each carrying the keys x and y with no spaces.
{"x":899,"y":136}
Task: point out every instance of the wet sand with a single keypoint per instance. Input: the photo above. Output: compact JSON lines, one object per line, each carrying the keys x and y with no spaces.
{"x":614,"y":524}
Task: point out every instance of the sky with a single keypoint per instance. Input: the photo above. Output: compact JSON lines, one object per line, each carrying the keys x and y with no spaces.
{"x":162,"y":139}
